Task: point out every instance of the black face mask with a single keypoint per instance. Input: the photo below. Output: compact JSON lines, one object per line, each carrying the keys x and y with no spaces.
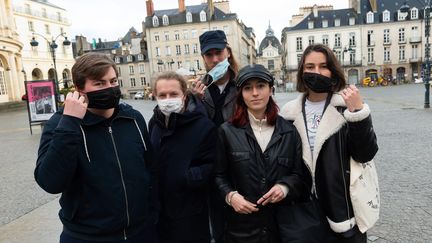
{"x":318,"y":83}
{"x":105,"y":98}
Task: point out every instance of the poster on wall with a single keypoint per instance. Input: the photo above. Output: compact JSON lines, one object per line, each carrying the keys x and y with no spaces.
{"x":41,"y":100}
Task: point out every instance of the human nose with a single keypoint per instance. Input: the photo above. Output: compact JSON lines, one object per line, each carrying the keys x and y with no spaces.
{"x":254,"y":91}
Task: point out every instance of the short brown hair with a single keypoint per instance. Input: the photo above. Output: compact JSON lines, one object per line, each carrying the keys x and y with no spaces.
{"x":91,"y":66}
{"x":171,"y":75}
{"x":332,"y":64}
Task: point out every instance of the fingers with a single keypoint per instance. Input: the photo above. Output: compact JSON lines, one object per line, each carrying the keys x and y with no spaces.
{"x":242,"y":206}
{"x":352,"y":98}
{"x":274,"y":195}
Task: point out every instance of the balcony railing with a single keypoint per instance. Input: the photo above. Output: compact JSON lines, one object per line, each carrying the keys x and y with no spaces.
{"x":352,"y":63}
{"x":388,"y":42}
{"x":415,"y":39}
{"x":40,"y":14}
{"x":415,"y":59}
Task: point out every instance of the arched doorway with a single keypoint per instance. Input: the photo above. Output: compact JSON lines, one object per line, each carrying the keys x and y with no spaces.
{"x":400,"y":74}
{"x":3,"y":88}
{"x":51,"y":74}
{"x":67,"y":80}
{"x":387,"y":74}
{"x":37,"y":74}
{"x":353,"y":76}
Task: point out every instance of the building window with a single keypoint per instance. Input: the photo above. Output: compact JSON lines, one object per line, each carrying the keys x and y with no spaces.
{"x":270,"y":65}
{"x":119,"y":71}
{"x":27,"y":8}
{"x":132,"y":82}
{"x":370,"y":39}
{"x":338,"y":55}
{"x":165,"y":20}
{"x":401,"y":35}
{"x":129,"y":58}
{"x":386,"y":36}
{"x":415,"y":31}
{"x":30,"y":26}
{"x":310,"y":24}
{"x":131,"y":70}
{"x":185,"y":34}
{"x":47,"y":29}
{"x":402,"y":16}
{"x":337,"y":40}
{"x":195,"y":48}
{"x":352,"y":57}
{"x":337,"y":22}
{"x":414,"y":13}
{"x":186,"y":48}
{"x":311,"y":40}
{"x":155,"y":21}
{"x":401,"y":53}
{"x":120,"y":81}
{"x":299,"y":44}
{"x":370,"y":17}
{"x":143,"y":81}
{"x":117,"y":59}
{"x":352,"y":40}
{"x":141,"y":68}
{"x":386,"y":54}
{"x":371,"y":55}
{"x":386,"y":16}
{"x":44,"y":12}
{"x":178,"y":50}
{"x":168,"y":50}
{"x":188,"y":17}
{"x":59,"y":17}
{"x":299,"y":56}
{"x":156,"y":37}
{"x":414,"y":52}
{"x":176,"y":35}
{"x":325,"y":23}
{"x":166,"y":33}
{"x":203,"y":16}
{"x":325,"y":40}
{"x":157,"y":51}
{"x":197,"y":65}
{"x":140,"y":57}
{"x":194,"y":33}
{"x":351,"y":21}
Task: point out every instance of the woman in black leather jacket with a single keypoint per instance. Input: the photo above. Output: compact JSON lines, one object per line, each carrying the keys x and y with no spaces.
{"x":259,"y":162}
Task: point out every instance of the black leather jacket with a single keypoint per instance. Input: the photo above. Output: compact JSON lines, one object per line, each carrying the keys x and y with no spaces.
{"x":242,"y":167}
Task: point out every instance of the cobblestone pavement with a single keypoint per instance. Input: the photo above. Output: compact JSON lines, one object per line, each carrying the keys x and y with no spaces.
{"x":404,"y":165}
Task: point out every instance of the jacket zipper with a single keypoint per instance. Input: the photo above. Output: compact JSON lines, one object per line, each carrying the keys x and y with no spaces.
{"x":122,"y":180}
{"x":343,"y":177}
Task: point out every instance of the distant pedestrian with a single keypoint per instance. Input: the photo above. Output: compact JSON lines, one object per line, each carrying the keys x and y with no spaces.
{"x":184,"y":139}
{"x":97,"y":154}
{"x":335,"y":125}
{"x":259,"y":164}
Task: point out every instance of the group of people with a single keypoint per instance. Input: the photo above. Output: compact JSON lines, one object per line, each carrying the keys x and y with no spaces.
{"x":216,"y":162}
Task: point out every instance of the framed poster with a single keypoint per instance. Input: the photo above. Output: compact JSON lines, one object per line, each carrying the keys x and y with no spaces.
{"x":40,"y":99}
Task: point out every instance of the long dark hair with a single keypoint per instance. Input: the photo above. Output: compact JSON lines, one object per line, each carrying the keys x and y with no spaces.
{"x":332,"y":64}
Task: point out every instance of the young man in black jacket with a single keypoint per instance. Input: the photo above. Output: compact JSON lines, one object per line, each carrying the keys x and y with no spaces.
{"x":96,"y":152}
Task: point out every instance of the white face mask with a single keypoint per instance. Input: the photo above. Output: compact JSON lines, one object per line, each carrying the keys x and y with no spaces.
{"x":168,"y":106}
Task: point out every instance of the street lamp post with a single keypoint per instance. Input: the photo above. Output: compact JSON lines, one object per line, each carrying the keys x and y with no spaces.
{"x":52,"y":46}
{"x":427,"y":63}
{"x":342,"y":60}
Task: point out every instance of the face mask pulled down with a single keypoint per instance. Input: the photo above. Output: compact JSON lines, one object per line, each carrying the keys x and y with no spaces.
{"x":105,"y":98}
{"x":318,"y":83}
{"x":218,"y":71}
{"x":172,"y":105}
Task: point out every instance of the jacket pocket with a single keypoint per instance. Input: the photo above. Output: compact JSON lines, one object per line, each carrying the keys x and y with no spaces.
{"x":239,"y":156}
{"x":284,"y":161}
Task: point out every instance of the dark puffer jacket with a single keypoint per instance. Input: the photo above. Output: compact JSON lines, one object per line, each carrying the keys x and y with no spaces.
{"x":185,"y":149}
{"x":104,"y":170}
{"x":242,"y":167}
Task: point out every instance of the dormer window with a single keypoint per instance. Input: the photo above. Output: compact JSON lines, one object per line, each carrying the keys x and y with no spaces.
{"x":203,"y":16}
{"x":140,"y":57}
{"x":117,"y":59}
{"x":155,"y":21}
{"x":370,"y":17}
{"x":310,"y":24}
{"x":337,"y":22}
{"x":402,"y":16}
{"x":325,"y":23}
{"x":351,"y":21}
{"x":129,"y":58}
{"x":165,"y":20}
{"x":188,"y":17}
{"x":386,"y":16}
{"x":414,"y":13}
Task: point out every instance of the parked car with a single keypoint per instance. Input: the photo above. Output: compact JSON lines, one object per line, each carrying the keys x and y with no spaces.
{"x":139,"y":95}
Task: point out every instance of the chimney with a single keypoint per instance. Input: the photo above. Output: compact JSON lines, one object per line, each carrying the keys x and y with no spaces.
{"x":315,"y":11}
{"x":223,"y":5}
{"x":181,"y":6}
{"x":150,"y":7}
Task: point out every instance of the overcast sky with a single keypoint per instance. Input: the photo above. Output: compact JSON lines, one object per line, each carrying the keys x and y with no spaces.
{"x":110,"y":20}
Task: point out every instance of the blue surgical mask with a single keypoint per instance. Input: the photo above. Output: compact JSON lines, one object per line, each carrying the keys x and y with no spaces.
{"x":218,"y":71}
